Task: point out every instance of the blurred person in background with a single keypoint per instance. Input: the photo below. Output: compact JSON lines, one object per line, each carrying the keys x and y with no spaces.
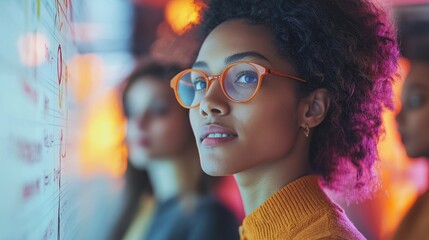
{"x":413,"y":118}
{"x":160,"y":140}
{"x":413,"y":123}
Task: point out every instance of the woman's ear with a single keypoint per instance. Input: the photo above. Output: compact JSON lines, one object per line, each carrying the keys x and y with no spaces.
{"x":315,"y":108}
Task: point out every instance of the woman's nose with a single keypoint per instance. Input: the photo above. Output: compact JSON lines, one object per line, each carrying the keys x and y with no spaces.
{"x":400,"y":116}
{"x":214,"y":101}
{"x":142,"y":121}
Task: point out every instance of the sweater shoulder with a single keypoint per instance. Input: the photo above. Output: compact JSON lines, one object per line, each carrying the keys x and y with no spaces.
{"x":329,"y":224}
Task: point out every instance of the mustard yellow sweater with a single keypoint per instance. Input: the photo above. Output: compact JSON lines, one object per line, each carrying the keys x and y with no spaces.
{"x":300,"y":210}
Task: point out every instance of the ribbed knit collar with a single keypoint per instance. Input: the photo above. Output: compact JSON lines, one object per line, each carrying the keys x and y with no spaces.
{"x":285,"y":209}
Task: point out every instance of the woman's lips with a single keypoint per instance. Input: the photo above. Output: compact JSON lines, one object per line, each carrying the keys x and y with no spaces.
{"x":402,"y":136}
{"x":214,"y":135}
{"x":403,"y":139}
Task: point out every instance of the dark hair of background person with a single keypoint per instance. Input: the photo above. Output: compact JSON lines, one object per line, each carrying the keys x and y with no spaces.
{"x":413,"y":31}
{"x":137,"y":184}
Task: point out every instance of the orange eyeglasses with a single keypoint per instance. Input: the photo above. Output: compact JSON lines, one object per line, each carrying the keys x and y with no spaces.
{"x":240,"y":82}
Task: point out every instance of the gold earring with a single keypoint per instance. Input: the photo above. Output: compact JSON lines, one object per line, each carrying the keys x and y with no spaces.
{"x":306,"y":130}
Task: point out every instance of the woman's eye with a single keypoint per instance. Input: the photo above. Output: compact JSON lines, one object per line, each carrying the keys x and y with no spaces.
{"x":199,"y":85}
{"x":414,"y":101}
{"x":246,"y":78}
{"x":159,"y":110}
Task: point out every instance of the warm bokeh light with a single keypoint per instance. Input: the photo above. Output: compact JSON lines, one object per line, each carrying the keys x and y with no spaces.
{"x":102,"y":149}
{"x":88,"y":32}
{"x":32,"y":48}
{"x":87,"y":71}
{"x":180,"y":14}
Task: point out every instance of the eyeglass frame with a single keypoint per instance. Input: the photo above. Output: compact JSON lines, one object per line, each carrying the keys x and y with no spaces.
{"x":174,"y":83}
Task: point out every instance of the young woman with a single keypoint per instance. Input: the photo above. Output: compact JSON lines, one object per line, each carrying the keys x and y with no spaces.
{"x":286,"y":93}
{"x":160,"y":140}
{"x":413,"y":122}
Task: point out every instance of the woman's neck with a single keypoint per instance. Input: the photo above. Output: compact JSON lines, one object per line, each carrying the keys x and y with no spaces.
{"x":176,"y":176}
{"x":162,"y":175}
{"x":259,"y":183}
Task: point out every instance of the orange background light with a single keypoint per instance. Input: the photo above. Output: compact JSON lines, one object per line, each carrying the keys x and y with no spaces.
{"x":102,"y":149}
{"x":180,"y":14}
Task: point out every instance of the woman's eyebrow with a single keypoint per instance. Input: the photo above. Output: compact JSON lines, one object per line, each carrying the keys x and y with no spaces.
{"x":200,"y":64}
{"x":240,"y":56}
{"x":233,"y":58}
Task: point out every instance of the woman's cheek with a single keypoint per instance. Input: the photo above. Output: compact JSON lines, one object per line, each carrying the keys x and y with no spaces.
{"x":169,"y":135}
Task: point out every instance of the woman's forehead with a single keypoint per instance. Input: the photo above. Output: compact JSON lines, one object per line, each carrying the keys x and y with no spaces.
{"x":144,"y":90}
{"x":236,"y":37}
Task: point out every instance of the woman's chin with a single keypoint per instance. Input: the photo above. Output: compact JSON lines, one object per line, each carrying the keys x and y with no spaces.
{"x":216,"y":170}
{"x":139,"y":162}
{"x":413,"y":152}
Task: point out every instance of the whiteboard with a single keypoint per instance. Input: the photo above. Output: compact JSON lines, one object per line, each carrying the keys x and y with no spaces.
{"x":39,"y":197}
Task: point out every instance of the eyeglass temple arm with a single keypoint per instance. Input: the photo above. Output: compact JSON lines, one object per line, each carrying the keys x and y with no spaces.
{"x":285,"y":75}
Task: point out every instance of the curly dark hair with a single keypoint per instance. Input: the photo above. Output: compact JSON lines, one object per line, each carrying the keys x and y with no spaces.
{"x":348,"y":47}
